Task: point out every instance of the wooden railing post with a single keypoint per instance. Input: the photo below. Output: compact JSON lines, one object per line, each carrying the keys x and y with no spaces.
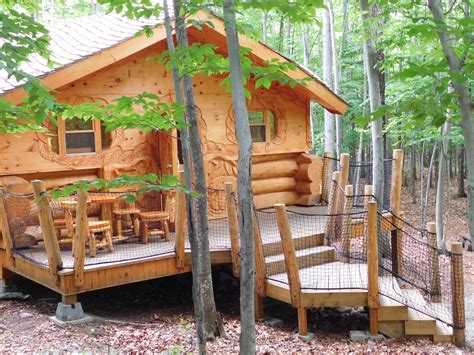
{"x":47,"y":227}
{"x":180,"y":225}
{"x":457,"y":284}
{"x":79,"y":239}
{"x":292,"y":269}
{"x":397,"y":180}
{"x":5,"y":228}
{"x":327,"y":178}
{"x":372,"y":266}
{"x":289,"y":253}
{"x":345,"y":161}
{"x":233,"y":228}
{"x":332,"y":207}
{"x":347,"y":223}
{"x":397,"y":241}
{"x":435,"y":279}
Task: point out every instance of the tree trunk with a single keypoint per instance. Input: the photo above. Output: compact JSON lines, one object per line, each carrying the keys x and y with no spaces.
{"x":280,"y":34}
{"x":375,"y":101}
{"x":413,"y":173}
{"x":305,"y":45}
{"x":338,"y":118}
{"x":198,"y":238}
{"x":461,"y":190}
{"x":441,"y":183}
{"x":264,"y":26}
{"x":328,"y":79}
{"x":424,"y":206}
{"x":460,"y":86}
{"x":244,"y":184}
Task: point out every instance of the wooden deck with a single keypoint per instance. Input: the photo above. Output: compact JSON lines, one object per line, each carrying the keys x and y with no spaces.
{"x":134,"y":261}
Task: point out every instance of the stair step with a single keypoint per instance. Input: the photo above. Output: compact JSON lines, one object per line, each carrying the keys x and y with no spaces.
{"x":306,"y":241}
{"x":308,"y":257}
{"x":419,"y":324}
{"x":391,"y":310}
{"x":444,"y":333}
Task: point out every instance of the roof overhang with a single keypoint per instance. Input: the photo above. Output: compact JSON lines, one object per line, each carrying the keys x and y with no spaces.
{"x":62,"y":76}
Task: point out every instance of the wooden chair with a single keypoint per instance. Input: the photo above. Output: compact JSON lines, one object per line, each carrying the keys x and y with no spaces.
{"x":126,"y":211}
{"x":162,"y":217}
{"x":98,"y":231}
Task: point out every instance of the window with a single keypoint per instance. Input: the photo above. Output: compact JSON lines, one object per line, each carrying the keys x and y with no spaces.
{"x":78,"y":137}
{"x":262,"y":126}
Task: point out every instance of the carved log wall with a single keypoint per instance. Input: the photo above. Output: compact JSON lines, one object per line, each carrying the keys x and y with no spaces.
{"x":136,"y":152}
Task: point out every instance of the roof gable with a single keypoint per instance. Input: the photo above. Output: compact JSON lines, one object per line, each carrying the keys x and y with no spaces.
{"x":86,"y":45}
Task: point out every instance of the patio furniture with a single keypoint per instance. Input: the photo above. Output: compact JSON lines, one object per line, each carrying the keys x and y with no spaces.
{"x":150,"y":217}
{"x":126,"y":211}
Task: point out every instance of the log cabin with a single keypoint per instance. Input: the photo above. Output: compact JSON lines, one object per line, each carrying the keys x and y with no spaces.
{"x":98,"y":59}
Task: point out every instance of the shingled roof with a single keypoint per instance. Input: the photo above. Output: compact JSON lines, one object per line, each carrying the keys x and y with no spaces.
{"x":77,"y":41}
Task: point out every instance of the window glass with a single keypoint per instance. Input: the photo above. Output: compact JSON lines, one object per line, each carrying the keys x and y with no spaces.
{"x":76,"y":124}
{"x":258,"y":133}
{"x":80,"y":142}
{"x":256,"y":117}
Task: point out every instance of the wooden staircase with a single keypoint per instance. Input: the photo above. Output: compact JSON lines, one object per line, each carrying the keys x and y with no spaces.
{"x":397,"y":320}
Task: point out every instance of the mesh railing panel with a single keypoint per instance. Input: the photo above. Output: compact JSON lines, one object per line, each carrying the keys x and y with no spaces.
{"x":329,"y":167}
{"x":414,"y":271}
{"x":152,"y":213}
{"x":360,"y":174}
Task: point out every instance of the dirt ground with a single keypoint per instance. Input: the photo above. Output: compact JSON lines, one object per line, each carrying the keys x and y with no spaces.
{"x":156,"y":316}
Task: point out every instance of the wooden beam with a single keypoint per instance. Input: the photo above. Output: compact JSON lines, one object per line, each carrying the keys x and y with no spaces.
{"x":435,"y":279}
{"x":397,"y":179}
{"x":47,"y":226}
{"x":233,"y":227}
{"x":372,"y":266}
{"x":302,"y":321}
{"x":332,"y":207}
{"x":347,"y":223}
{"x":79,"y":239}
{"x":457,"y":282}
{"x":289,"y":253}
{"x":5,"y":227}
{"x":326,"y":182}
{"x":344,"y":169}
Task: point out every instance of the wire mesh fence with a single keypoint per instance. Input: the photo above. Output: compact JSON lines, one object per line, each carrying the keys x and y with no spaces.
{"x":413,"y":271}
{"x":118,"y":229}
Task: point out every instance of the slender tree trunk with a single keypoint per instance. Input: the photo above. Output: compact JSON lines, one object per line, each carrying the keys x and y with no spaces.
{"x":424,"y":206}
{"x":328,"y":79}
{"x":264,"y":26}
{"x":280,"y":33}
{"x":460,"y":86}
{"x":199,"y":238}
{"x":461,"y":190}
{"x":413,"y":173}
{"x":441,"y":183}
{"x":335,"y":69}
{"x":244,"y":183}
{"x":305,"y":45}
{"x":375,"y":101}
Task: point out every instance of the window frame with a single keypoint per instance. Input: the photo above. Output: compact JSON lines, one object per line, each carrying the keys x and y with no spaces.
{"x":62,"y":138}
{"x":266,"y":124}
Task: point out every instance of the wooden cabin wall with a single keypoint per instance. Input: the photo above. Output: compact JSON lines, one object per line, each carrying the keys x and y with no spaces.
{"x":134,"y":151}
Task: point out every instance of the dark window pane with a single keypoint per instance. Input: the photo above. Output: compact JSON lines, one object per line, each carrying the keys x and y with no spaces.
{"x":80,"y":143}
{"x":258,"y":133}
{"x":76,"y":124}
{"x":256,"y":118}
